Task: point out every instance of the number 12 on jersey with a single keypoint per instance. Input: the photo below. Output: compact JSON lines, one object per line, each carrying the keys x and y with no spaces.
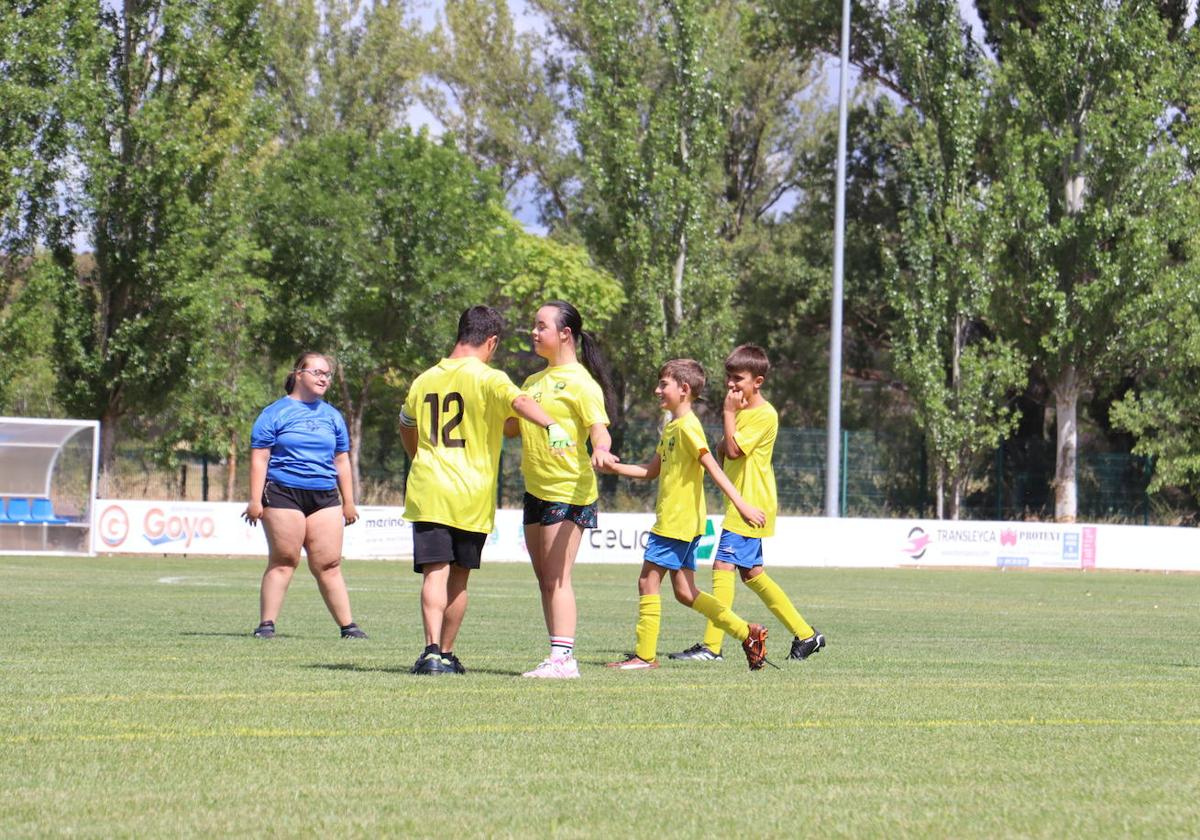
{"x":440,"y":407}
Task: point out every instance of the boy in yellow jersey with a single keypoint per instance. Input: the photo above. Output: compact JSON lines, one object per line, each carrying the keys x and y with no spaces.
{"x":751,"y":426}
{"x":452,"y":425}
{"x":679,"y":464}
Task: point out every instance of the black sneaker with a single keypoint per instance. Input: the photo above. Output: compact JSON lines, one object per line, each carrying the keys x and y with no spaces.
{"x":353,"y":631}
{"x":697,"y":653}
{"x":452,"y":660}
{"x":804,"y":648}
{"x":432,"y":663}
{"x":266,"y":630}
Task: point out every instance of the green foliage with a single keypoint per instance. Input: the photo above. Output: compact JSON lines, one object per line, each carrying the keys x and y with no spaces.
{"x":172,"y":116}
{"x":369,"y":242}
{"x":650,"y":92}
{"x":499,"y":100}
{"x":27,"y":381}
{"x":1075,"y":272}
{"x":46,"y":49}
{"x":341,"y":64}
{"x":942,"y":258}
{"x":541,"y":269}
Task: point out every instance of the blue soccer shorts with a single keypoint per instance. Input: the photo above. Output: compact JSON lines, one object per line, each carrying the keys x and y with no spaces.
{"x":671,"y":554}
{"x":743,"y":552}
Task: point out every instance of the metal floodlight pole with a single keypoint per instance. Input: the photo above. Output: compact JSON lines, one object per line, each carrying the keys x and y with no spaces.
{"x":833,"y":432}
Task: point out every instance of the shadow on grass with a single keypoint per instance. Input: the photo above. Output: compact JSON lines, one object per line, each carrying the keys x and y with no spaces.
{"x":406,"y":669}
{"x":210,"y":633}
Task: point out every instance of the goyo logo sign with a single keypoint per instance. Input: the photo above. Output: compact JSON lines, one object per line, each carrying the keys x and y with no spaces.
{"x":114,"y":525}
{"x":159,"y":528}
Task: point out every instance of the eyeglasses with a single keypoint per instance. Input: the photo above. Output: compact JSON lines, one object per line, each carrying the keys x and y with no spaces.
{"x":317,"y":374}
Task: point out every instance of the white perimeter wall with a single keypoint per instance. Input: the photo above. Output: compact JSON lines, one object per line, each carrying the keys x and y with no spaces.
{"x":139,"y":527}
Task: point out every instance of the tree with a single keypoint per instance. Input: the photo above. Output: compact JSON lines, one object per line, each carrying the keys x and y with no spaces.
{"x":1089,"y":180}
{"x":27,"y":381}
{"x":648,"y":83}
{"x":942,"y":256}
{"x":496,"y":91}
{"x":336,"y":64}
{"x":171,"y":112}
{"x":376,"y":246}
{"x":46,"y":50}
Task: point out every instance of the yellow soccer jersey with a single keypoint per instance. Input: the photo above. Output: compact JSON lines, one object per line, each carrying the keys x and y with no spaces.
{"x":752,"y":474}
{"x":573,"y":400}
{"x":459,"y":406}
{"x":680,"y":510}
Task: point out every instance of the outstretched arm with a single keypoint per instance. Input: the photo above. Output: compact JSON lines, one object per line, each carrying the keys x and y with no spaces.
{"x":751,"y":514}
{"x":528,"y":408}
{"x":602,"y":457}
{"x":647,"y":471}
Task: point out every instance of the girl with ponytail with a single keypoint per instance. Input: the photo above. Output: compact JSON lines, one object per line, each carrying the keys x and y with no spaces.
{"x":575,"y":389}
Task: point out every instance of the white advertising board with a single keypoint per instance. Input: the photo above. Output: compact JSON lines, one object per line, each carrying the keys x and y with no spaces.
{"x":139,"y":527}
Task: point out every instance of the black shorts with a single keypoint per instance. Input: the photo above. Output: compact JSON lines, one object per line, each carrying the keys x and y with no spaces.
{"x":540,"y":512}
{"x":307,"y":502}
{"x":434,"y":543}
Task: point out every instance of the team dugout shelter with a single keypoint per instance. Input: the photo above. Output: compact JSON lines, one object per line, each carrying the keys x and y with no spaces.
{"x":47,"y":485}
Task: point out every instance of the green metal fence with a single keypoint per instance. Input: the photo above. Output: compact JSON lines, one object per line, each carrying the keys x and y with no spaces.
{"x":881,"y":475}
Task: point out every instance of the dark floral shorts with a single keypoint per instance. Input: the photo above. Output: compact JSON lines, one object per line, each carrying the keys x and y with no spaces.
{"x":541,"y":512}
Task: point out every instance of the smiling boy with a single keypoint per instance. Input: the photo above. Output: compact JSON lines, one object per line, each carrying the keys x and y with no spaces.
{"x":680,"y":461}
{"x":751,"y":427}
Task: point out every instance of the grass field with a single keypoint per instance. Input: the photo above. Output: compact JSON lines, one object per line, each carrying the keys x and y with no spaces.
{"x":948,"y":704}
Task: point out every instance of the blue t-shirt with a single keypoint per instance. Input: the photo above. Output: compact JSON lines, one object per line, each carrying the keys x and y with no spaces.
{"x":303,"y":438}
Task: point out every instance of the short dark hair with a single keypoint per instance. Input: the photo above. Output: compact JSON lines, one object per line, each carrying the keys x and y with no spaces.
{"x":477,"y":324}
{"x":749,"y":358}
{"x":687,"y":372}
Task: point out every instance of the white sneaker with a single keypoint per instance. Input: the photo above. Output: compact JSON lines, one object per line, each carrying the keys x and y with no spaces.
{"x":556,"y":669}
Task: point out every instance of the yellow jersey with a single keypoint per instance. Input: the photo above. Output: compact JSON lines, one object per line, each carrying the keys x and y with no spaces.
{"x":458,"y":407}
{"x":752,"y":474}
{"x":679,"y":509}
{"x":573,"y":400}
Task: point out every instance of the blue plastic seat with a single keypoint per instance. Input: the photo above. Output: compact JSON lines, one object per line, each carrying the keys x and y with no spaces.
{"x":3,"y":515}
{"x":43,"y":511}
{"x":19,"y":510}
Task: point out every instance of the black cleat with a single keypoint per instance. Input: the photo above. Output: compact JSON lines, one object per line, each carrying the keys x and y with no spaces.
{"x":804,"y":648}
{"x":697,"y":653}
{"x":432,"y":663}
{"x":452,"y":660}
{"x":266,"y":630}
{"x":353,"y":631}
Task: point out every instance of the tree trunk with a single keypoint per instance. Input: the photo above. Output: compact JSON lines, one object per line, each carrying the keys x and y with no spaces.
{"x":353,"y":411}
{"x":108,"y":440}
{"x":677,"y":280}
{"x":940,"y":492}
{"x":231,"y":468}
{"x":1066,"y":399}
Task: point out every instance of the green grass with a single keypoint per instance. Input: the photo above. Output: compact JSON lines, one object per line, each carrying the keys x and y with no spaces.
{"x":948,"y":703}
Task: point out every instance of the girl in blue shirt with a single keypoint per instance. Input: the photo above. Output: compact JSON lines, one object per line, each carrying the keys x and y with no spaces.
{"x":299,"y":462}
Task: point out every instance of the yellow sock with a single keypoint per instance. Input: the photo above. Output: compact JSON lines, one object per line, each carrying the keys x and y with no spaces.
{"x":723,"y":591}
{"x":649,"y":619}
{"x":721,"y":616}
{"x":778,"y":602}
